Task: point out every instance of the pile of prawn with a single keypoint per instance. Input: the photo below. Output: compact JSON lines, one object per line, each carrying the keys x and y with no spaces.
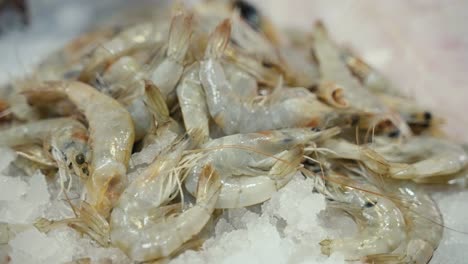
{"x":230,"y":109}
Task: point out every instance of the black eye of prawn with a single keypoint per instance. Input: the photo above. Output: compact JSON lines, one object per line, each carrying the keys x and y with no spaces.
{"x":80,"y":159}
{"x":249,"y":13}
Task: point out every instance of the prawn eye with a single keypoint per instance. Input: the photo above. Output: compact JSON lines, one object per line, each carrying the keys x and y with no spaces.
{"x":394,"y":133}
{"x":80,"y":159}
{"x":249,"y":13}
{"x":427,"y":116}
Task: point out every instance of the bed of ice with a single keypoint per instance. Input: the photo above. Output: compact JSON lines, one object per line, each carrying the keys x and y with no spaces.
{"x":285,"y":229}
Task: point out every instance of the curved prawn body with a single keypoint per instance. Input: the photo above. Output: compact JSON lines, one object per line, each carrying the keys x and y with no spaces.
{"x":428,"y":157}
{"x":424,"y":227}
{"x":111,"y":139}
{"x":253,"y":166}
{"x":166,"y":75}
{"x":152,"y":188}
{"x":192,"y":102}
{"x":241,"y":191}
{"x":234,"y":114}
{"x":382,"y":225}
{"x":129,"y":40}
{"x":333,"y":70}
{"x":161,"y":233}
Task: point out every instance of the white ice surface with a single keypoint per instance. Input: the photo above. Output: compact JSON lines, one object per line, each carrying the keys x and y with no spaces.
{"x":242,"y":236}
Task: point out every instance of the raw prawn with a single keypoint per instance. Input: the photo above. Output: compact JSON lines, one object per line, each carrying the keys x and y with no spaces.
{"x":64,"y":138}
{"x":246,"y":162}
{"x":129,"y":40}
{"x":161,"y":233}
{"x":421,"y":157}
{"x":111,"y":138}
{"x":241,"y":191}
{"x":382,"y":225}
{"x":424,"y":227}
{"x":235,"y":115}
{"x":342,"y":149}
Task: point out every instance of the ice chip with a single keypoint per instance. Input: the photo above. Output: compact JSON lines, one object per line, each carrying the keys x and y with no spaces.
{"x":32,"y":246}
{"x":7,"y":156}
{"x":12,"y":188}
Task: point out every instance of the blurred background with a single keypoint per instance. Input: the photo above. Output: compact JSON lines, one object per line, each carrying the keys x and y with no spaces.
{"x":422,"y":45}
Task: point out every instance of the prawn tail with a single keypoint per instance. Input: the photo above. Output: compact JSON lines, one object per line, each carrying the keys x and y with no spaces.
{"x":209,"y":184}
{"x":277,"y":93}
{"x":288,"y":162}
{"x":320,"y":30}
{"x":332,"y":94}
{"x":87,"y":221}
{"x":164,"y":211}
{"x":375,"y":162}
{"x":179,"y":36}
{"x":357,"y":66}
{"x":93,"y":224}
{"x":156,"y":103}
{"x":218,"y":40}
{"x":286,"y":166}
{"x":197,"y":137}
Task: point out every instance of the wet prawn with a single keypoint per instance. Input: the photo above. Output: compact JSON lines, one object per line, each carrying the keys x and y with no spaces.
{"x":111,"y":138}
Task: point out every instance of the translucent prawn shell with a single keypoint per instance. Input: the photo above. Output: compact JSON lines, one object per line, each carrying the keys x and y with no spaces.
{"x":235,"y":155}
{"x":381,"y":223}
